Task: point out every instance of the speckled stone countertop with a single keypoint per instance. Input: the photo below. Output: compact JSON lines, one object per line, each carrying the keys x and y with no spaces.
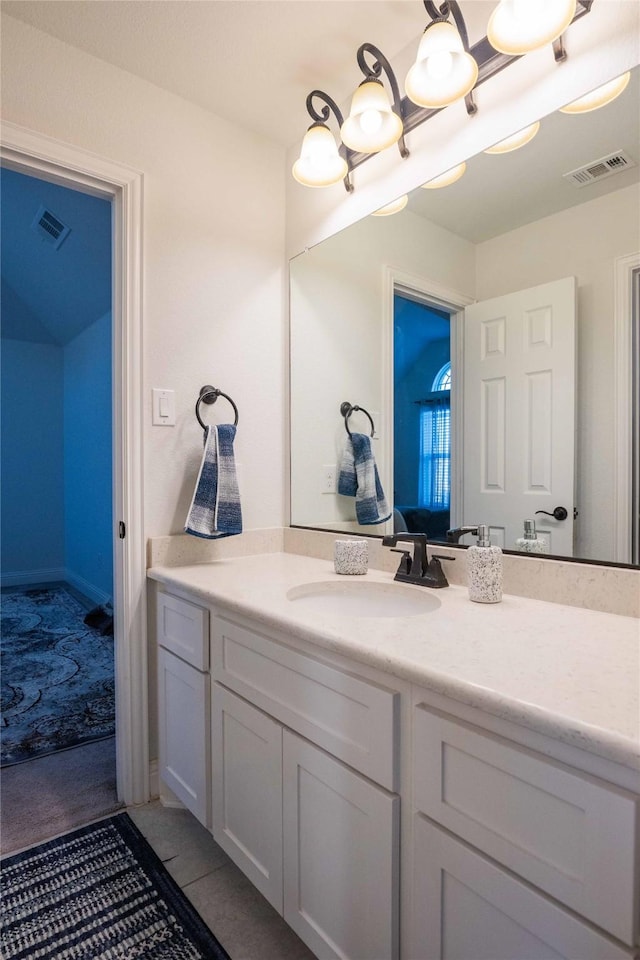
{"x":568,"y":673}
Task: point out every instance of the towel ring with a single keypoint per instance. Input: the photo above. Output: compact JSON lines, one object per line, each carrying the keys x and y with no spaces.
{"x":209,"y":394}
{"x":346,"y":409}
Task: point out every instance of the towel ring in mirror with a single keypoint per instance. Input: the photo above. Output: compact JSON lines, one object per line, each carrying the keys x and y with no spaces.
{"x":209,"y":394}
{"x":346,"y":409}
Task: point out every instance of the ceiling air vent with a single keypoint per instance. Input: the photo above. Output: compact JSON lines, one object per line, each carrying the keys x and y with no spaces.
{"x":599,"y":169}
{"x":49,"y":228}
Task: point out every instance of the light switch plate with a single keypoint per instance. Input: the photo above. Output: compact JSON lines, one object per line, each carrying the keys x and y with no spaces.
{"x":164,"y":407}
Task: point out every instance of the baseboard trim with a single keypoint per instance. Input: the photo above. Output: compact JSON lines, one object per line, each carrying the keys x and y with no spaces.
{"x":19,"y":578}
{"x":88,"y":589}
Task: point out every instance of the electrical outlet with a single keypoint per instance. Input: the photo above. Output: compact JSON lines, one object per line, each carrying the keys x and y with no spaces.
{"x":328,"y":478}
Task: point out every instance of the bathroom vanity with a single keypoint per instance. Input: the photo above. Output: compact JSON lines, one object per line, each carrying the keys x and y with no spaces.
{"x":459,"y":782}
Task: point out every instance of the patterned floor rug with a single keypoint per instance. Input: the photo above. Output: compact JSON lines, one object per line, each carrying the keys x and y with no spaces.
{"x":99,"y":893}
{"x":57,"y":685}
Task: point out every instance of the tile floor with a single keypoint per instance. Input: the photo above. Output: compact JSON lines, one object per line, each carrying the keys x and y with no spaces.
{"x":246,"y":925}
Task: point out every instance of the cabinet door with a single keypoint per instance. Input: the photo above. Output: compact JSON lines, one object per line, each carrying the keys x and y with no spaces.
{"x":465,"y":907}
{"x":247,"y":790}
{"x":341,"y":848}
{"x":184,"y":718}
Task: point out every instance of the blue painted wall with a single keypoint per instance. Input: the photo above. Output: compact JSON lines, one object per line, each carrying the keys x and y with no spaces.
{"x":32,"y":461}
{"x":88,"y":518}
{"x":421,"y":348}
{"x":56,"y":472}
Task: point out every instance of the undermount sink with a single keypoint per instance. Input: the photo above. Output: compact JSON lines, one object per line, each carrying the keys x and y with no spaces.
{"x":357,"y":598}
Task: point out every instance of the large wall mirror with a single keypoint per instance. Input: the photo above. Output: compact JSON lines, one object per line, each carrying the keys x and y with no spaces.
{"x":490,"y":332}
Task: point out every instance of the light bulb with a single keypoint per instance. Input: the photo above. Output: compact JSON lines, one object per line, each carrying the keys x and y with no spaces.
{"x":518,"y":26}
{"x":443,"y":71}
{"x":370,"y":121}
{"x":440,"y":65}
{"x":516,"y":140}
{"x":371,"y":125}
{"x":320,"y":163}
{"x":446,"y":179}
{"x":394,"y":207}
{"x":599,"y":97}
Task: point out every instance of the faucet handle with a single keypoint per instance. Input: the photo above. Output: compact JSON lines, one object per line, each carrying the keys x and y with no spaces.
{"x":440,"y":556}
{"x":405,"y":563}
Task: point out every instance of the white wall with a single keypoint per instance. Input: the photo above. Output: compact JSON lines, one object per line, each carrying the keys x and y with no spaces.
{"x":570,"y":244}
{"x":32,"y":462}
{"x":213,"y":282}
{"x":88,"y":515}
{"x":338,"y":337}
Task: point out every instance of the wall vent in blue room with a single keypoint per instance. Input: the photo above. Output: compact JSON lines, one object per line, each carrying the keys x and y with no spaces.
{"x":50,"y":228}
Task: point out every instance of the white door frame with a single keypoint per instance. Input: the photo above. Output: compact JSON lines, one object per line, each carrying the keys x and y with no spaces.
{"x":32,"y":153}
{"x":399,"y":281}
{"x":621,"y":467}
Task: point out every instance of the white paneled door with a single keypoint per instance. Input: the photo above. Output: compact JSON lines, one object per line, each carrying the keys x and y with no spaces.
{"x":519,"y":413}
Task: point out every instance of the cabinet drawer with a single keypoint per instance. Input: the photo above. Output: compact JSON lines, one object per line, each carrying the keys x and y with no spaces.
{"x":183,"y":628}
{"x":570,"y":835}
{"x":352,"y":719}
{"x":467,"y":908}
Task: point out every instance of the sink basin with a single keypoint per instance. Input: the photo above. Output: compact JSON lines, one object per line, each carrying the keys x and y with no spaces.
{"x":357,"y":598}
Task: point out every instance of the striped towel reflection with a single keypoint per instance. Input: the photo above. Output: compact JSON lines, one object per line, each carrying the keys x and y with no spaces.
{"x":358,"y":477}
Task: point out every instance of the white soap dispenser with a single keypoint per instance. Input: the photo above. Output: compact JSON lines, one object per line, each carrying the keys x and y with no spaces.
{"x":531,"y":542}
{"x":484,"y":569}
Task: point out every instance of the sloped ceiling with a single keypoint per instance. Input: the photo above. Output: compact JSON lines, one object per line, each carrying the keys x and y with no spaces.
{"x":49,"y":295}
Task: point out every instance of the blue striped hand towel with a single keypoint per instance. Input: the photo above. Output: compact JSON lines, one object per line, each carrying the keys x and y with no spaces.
{"x":215,"y":508}
{"x":358,"y":477}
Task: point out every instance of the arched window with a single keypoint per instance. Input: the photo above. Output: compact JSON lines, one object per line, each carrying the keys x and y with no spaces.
{"x":442,"y":379}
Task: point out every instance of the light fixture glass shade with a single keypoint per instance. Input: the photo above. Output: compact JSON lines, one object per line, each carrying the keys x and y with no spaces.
{"x":394,"y":207}
{"x":516,"y":140}
{"x":598,"y":97}
{"x":446,"y":179}
{"x":319,"y":164}
{"x":518,"y":26}
{"x":371,"y":125}
{"x":443,"y":71}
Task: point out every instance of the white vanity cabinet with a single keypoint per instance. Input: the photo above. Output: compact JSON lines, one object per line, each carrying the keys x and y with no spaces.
{"x":505,"y":840}
{"x":184,"y":702}
{"x":317,"y":837}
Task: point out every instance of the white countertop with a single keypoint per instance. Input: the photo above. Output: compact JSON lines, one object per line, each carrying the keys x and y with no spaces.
{"x":569,"y":673}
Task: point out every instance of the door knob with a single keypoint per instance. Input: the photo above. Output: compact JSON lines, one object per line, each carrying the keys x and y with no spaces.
{"x":559,"y":513}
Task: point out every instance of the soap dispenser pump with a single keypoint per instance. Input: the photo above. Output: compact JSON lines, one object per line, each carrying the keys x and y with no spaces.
{"x":531,"y":542}
{"x":484,"y":569}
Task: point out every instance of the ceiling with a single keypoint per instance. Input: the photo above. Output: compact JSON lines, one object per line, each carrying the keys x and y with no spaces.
{"x":253,"y":62}
{"x":250,"y":61}
{"x":499,"y":193}
{"x":49,"y":295}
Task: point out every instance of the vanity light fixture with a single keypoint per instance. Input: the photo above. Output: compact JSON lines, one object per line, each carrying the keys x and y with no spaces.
{"x":516,"y":140}
{"x":599,"y":97}
{"x":519,"y":26}
{"x":446,"y":69}
{"x":394,"y":207}
{"x":446,"y":179}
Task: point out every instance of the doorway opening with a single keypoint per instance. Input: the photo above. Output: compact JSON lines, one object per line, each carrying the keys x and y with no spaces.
{"x":422,"y":416}
{"x":58,"y":679}
{"x":37,"y":155}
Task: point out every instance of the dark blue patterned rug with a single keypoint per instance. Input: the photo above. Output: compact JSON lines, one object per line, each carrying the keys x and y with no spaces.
{"x":99,"y":893}
{"x":57,"y":686}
